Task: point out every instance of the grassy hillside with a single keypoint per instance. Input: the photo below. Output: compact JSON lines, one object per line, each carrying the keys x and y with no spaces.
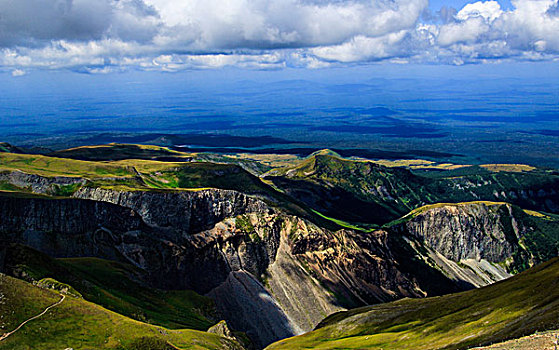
{"x":136,"y":173}
{"x":508,"y":309}
{"x":363,"y":192}
{"x":114,"y":286}
{"x":353,"y":191}
{"x":51,"y":166}
{"x":79,"y":324}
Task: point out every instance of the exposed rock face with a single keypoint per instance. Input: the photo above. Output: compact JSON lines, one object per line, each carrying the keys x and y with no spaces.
{"x":470,"y":231}
{"x":66,"y":227}
{"x":254,"y":309}
{"x":366,"y":268}
{"x":186,"y":211}
{"x":222,"y":329}
{"x":469,"y":272}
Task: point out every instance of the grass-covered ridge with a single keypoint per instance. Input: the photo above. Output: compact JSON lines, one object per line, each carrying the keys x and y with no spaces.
{"x":80,"y":324}
{"x":508,"y":309}
{"x":366,"y":192}
{"x":134,"y":174}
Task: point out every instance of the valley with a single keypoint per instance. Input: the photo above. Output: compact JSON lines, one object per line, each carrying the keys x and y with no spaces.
{"x":154,"y":245}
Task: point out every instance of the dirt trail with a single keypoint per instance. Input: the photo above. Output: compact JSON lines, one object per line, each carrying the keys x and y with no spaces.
{"x":6,"y":335}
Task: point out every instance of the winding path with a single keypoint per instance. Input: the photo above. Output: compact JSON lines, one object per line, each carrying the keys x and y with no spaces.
{"x":6,"y":335}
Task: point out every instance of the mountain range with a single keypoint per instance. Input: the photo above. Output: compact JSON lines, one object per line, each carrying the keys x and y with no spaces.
{"x":151,"y":247}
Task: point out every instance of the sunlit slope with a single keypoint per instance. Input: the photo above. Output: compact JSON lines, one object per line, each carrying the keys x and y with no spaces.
{"x":79,"y":324}
{"x":508,"y":309}
{"x":134,"y":174}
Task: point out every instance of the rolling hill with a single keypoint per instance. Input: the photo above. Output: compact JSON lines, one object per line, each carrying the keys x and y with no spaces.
{"x":79,"y":324}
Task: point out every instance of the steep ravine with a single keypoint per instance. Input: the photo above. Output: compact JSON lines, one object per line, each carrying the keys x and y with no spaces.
{"x":271,"y":274}
{"x":253,"y":265}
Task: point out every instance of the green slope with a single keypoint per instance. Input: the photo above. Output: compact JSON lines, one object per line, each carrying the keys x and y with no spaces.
{"x":349,"y":190}
{"x":115,"y":286}
{"x":508,"y":309}
{"x":363,"y":192}
{"x":79,"y":324}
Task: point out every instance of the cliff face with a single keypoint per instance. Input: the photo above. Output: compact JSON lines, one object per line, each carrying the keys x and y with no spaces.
{"x":186,"y":211}
{"x":66,"y":227}
{"x":469,"y":231}
{"x":482,"y":242}
{"x":250,"y":257}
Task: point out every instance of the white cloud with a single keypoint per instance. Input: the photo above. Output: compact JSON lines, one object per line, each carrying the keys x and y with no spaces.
{"x":488,"y":10}
{"x":18,"y":73}
{"x":101,"y":36}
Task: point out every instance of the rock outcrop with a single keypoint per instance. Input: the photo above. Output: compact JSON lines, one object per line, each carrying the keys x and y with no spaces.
{"x":39,"y":184}
{"x":185,"y":211}
{"x":478,"y":230}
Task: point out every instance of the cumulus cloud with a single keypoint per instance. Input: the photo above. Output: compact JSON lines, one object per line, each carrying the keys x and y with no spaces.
{"x":100,"y":36}
{"x":488,"y":10}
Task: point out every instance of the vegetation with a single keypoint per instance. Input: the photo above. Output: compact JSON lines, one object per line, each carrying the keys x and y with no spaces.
{"x":541,"y":231}
{"x":50,"y":166}
{"x":362,"y":192}
{"x":79,"y":324}
{"x":63,"y":288}
{"x":114,"y":286}
{"x":243,"y":223}
{"x":508,"y":309}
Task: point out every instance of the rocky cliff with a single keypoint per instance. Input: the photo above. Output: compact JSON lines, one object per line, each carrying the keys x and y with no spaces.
{"x":39,"y":184}
{"x":185,"y":211}
{"x":477,"y":230}
{"x":66,"y":227}
{"x":481,"y":242}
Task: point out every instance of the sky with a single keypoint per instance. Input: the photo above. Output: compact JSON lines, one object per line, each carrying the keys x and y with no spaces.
{"x":106,"y":36}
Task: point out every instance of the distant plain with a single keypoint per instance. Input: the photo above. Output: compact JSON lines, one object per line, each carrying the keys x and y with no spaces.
{"x":489,"y":117}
